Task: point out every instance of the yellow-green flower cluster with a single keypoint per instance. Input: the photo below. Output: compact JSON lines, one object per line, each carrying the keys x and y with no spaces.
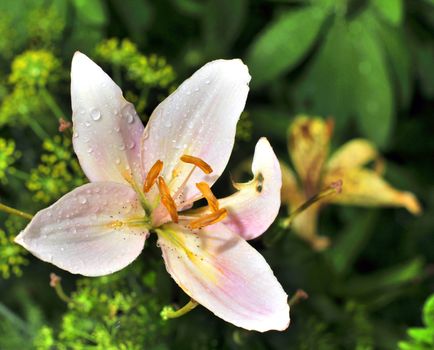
{"x":46,"y":24}
{"x":244,"y":128}
{"x":58,"y":172}
{"x":12,"y":256}
{"x":8,"y":155}
{"x":111,"y":313}
{"x":145,"y":71}
{"x":35,"y":68}
{"x":32,"y":72}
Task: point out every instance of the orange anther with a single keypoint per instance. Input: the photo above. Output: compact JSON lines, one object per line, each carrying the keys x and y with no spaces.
{"x":204,"y":188}
{"x":208,"y":219}
{"x":152,"y":175}
{"x":166,"y":199}
{"x":204,"y":166}
{"x":170,"y":205}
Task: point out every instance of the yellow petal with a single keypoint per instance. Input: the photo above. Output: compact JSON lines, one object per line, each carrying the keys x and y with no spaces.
{"x":308,"y":144}
{"x":290,"y":193}
{"x":305,"y":225}
{"x":354,"y":153}
{"x":364,"y":187}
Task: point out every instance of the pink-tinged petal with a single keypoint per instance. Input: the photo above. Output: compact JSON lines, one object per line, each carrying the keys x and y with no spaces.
{"x":107,"y":129}
{"x":255,"y":206}
{"x":87,"y":231}
{"x":222,"y":272}
{"x":198,"y":119}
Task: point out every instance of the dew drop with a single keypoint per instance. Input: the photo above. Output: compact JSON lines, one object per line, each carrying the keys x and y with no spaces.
{"x":168,"y":124}
{"x":131,"y":145}
{"x":83,"y":200}
{"x":207,"y":82}
{"x":121,"y":147}
{"x":75,"y":134}
{"x":130,"y":118}
{"x":89,"y":150}
{"x":95,"y":114}
{"x":146,"y":134}
{"x":118,"y":161}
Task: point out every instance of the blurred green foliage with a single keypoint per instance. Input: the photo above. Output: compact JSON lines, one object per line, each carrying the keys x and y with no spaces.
{"x":367,"y":63}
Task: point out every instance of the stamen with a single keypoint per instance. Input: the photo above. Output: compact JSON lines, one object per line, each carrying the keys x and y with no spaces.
{"x":204,"y":188}
{"x":166,"y":199}
{"x":204,"y":166}
{"x":208,"y":219}
{"x":152,"y":176}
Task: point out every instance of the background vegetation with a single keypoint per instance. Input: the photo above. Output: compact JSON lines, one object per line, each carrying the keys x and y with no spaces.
{"x":367,"y":63}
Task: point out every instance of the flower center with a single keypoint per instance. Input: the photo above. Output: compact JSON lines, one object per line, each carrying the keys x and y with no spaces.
{"x":168,"y":200}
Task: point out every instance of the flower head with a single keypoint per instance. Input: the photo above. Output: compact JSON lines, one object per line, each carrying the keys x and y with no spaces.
{"x":308,"y":146}
{"x":146,"y":180}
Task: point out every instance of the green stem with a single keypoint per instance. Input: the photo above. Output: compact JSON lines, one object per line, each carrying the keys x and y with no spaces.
{"x":298,"y":295}
{"x":14,"y":211}
{"x":13,"y":319}
{"x":169,"y":312}
{"x":37,"y":129}
{"x":19,"y":174}
{"x":334,"y":188}
{"x":52,"y":104}
{"x":61,"y":294}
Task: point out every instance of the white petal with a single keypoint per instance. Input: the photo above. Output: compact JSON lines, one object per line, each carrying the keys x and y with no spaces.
{"x":222,"y":272}
{"x":255,"y":206}
{"x":107,"y":129}
{"x":198,"y":119}
{"x":86,"y":231}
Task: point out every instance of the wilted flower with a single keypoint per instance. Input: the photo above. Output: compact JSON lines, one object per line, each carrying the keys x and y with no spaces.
{"x":308,"y":145}
{"x":146,"y":180}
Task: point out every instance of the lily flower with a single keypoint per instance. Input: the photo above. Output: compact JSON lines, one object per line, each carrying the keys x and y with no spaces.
{"x":308,"y":146}
{"x":145,"y":180}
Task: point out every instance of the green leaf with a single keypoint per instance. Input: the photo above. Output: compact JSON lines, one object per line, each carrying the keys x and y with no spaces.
{"x":428,"y":312}
{"x":391,"y":10}
{"x":381,"y":280}
{"x":394,"y":44}
{"x":90,"y":11}
{"x":284,"y":43}
{"x":423,"y":335}
{"x":135,"y":15}
{"x":222,"y":23}
{"x":373,"y":98}
{"x":349,"y":79}
{"x":352,"y":240}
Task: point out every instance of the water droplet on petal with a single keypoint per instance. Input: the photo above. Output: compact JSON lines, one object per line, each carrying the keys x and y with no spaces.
{"x":207,"y":82}
{"x":95,"y":114}
{"x":83,"y":200}
{"x":131,"y":145}
{"x":75,"y":134}
{"x":168,"y":124}
{"x":118,"y":161}
{"x":89,"y":150}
